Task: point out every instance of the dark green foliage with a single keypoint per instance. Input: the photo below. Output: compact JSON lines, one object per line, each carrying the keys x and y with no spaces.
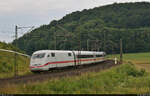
{"x":129,"y":21}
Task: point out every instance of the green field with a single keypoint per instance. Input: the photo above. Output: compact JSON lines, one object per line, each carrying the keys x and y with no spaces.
{"x":141,"y":60}
{"x":135,"y":57}
{"x":129,"y":78}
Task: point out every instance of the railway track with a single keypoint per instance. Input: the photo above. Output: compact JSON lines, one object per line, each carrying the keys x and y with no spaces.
{"x":58,"y":73}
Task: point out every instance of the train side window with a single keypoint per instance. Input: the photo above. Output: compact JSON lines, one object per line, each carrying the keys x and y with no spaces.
{"x":53,"y":54}
{"x":69,"y":54}
{"x":85,"y":56}
{"x":48,"y":55}
{"x":99,"y":55}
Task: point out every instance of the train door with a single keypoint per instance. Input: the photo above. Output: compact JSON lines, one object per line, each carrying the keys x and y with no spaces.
{"x":94,"y":55}
{"x":75,"y":58}
{"x":61,"y":57}
{"x":51,"y":59}
{"x":79,"y":58}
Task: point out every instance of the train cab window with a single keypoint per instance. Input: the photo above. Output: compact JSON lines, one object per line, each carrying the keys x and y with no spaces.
{"x":38,"y":56}
{"x":69,"y":54}
{"x":53,"y":54}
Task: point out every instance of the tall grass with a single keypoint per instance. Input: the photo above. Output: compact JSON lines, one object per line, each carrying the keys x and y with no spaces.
{"x":7,"y":65}
{"x":124,"y":79}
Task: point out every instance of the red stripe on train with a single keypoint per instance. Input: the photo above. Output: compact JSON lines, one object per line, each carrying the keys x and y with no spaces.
{"x":61,"y":62}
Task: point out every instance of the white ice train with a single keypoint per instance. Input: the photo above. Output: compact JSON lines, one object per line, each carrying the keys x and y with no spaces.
{"x":46,"y":59}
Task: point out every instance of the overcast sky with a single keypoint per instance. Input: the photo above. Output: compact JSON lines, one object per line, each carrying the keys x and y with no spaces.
{"x":37,"y":12}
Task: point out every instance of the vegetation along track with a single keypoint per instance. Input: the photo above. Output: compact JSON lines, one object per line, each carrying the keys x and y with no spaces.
{"x":57,"y":73}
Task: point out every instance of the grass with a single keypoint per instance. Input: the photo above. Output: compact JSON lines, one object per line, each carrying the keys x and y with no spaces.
{"x":7,"y":62}
{"x":132,"y":77}
{"x":134,"y":57}
{"x":124,"y":79}
{"x":141,"y":60}
{"x":7,"y":65}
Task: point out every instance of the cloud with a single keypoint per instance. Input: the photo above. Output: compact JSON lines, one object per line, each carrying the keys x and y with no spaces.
{"x":42,"y":7}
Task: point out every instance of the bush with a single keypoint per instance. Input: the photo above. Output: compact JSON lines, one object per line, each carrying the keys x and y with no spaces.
{"x":130,"y":70}
{"x":142,"y":72}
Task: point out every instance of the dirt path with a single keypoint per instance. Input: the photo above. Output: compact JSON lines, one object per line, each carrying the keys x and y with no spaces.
{"x":145,"y":66}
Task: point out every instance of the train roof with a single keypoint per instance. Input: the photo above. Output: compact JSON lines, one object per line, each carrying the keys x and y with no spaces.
{"x":45,"y":51}
{"x":62,"y":51}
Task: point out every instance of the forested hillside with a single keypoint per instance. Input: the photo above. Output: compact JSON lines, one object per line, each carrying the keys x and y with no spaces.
{"x":106,"y":24}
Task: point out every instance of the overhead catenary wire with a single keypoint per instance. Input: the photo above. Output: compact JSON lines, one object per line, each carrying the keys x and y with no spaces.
{"x":15,"y":52}
{"x":15,"y":55}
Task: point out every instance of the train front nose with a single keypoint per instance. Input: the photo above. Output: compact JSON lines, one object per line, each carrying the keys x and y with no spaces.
{"x":37,"y":61}
{"x":36,"y":64}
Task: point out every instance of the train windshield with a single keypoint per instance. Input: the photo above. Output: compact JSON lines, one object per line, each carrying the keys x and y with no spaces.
{"x":38,"y":56}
